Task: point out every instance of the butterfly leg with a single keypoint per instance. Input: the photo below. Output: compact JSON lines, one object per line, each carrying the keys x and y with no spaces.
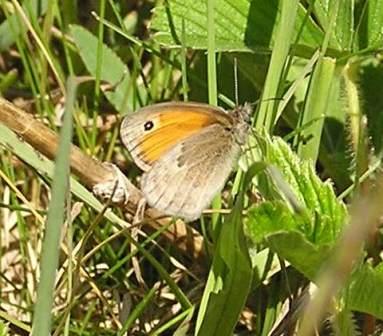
{"x":140,"y":212}
{"x":116,"y":189}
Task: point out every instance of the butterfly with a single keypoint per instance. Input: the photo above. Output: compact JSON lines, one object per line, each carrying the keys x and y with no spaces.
{"x":186,"y":150}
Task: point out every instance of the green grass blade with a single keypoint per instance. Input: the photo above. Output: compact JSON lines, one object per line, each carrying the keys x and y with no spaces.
{"x":55,"y":220}
{"x":211,"y":62}
{"x":315,"y":108}
{"x":137,"y":311}
{"x":229,"y":279}
{"x":268,"y":109}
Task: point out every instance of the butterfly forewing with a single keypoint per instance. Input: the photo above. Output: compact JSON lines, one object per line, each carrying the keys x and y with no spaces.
{"x":152,"y":131}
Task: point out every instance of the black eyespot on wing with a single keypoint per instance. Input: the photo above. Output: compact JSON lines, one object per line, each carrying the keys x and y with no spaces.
{"x":148,"y":125}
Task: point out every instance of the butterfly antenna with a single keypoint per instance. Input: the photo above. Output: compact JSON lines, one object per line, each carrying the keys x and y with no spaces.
{"x":236,"y":81}
{"x":258,"y":101}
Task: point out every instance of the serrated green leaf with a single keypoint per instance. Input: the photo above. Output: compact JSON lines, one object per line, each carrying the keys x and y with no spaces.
{"x":287,"y":234}
{"x":272,"y":217}
{"x":316,"y":197}
{"x":309,"y":231}
{"x":239,"y":25}
{"x":364,"y":293}
{"x":345,"y":323}
{"x":113,"y":70}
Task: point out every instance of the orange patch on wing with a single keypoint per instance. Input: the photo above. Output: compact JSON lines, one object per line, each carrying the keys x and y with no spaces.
{"x":172,"y":127}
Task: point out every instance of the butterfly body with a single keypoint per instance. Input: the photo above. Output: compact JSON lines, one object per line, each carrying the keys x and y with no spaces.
{"x":186,"y":150}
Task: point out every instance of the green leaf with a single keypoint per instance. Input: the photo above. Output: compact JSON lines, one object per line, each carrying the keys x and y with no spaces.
{"x":342,"y":31}
{"x":315,"y":196}
{"x":369,"y":32}
{"x":355,"y":19}
{"x":345,"y":323}
{"x":272,"y":217}
{"x":239,"y":24}
{"x":365,"y":293}
{"x":301,"y":212}
{"x":229,"y":279}
{"x":281,"y":229}
{"x":299,"y":252}
{"x":14,"y":26}
{"x":113,"y":70}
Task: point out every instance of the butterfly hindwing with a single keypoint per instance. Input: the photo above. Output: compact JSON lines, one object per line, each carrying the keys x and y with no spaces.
{"x":184,"y":181}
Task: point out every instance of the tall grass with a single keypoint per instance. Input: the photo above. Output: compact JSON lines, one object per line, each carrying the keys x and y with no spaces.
{"x":71,"y":265}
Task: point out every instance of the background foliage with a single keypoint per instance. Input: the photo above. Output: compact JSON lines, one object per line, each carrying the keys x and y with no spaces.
{"x":313,"y":67}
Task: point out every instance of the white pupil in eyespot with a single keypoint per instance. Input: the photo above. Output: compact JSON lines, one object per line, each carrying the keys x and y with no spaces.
{"x":148,"y":125}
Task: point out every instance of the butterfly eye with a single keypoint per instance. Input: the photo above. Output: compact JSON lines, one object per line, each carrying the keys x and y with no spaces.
{"x":148,"y":125}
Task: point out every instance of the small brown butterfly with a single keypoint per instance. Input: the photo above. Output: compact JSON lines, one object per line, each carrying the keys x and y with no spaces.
{"x":186,"y":150}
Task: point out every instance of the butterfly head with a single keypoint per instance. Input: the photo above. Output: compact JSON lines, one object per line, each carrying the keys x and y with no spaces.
{"x":242,"y":120}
